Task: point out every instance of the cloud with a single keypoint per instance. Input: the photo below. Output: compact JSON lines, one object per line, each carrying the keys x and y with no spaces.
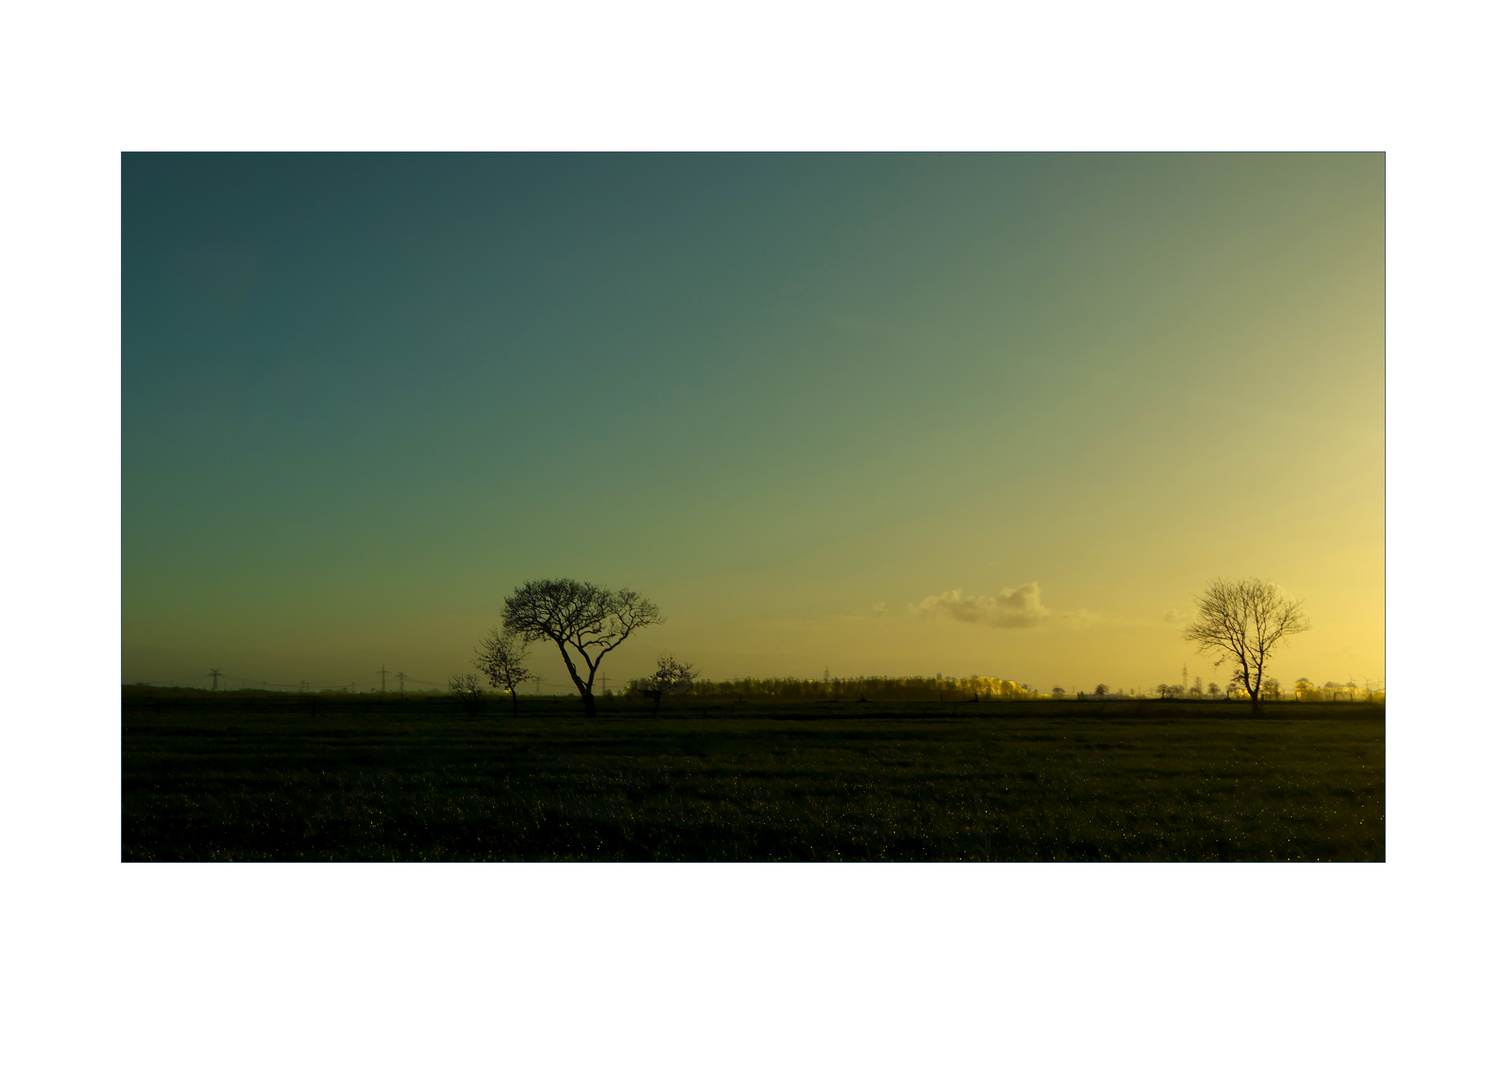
{"x":879,"y":609}
{"x":1010,"y":609}
{"x":1176,"y":615}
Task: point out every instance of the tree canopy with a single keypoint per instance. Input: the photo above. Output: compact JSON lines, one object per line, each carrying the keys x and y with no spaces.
{"x":586,"y":622}
{"x":1243,"y":622}
{"x":673,"y":676}
{"x":501,"y":658}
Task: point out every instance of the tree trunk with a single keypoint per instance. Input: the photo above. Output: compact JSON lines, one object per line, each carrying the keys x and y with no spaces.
{"x":1255,"y":707}
{"x":589,"y":709}
{"x":514,"y":702}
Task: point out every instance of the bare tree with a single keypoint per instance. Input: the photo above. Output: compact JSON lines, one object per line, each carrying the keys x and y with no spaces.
{"x":1243,"y":622}
{"x":501,"y":657}
{"x":672,"y":677}
{"x":590,"y":620}
{"x":467,"y":689}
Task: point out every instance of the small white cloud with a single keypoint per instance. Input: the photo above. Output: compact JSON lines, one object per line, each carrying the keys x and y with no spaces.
{"x":879,"y":609}
{"x":1009,"y":610}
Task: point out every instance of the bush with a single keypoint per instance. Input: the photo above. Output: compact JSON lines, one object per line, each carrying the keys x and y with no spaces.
{"x":468,"y":689}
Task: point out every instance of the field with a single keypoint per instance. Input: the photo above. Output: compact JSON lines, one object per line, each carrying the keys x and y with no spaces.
{"x":228,"y":777}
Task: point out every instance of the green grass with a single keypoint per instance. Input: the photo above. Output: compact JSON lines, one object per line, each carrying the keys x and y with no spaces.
{"x":262,"y":778}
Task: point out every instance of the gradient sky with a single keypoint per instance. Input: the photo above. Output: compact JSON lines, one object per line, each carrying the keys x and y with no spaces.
{"x":797,"y":400}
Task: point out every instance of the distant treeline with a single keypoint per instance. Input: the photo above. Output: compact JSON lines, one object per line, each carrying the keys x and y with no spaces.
{"x":875,"y":688}
{"x":1304,"y":690}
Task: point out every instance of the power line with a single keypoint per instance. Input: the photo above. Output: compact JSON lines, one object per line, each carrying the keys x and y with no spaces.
{"x":216,"y":675}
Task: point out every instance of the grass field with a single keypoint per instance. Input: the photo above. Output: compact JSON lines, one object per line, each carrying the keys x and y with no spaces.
{"x":215,"y":778}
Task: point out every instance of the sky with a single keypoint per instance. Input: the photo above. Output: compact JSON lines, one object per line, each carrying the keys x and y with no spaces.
{"x":875,"y":414}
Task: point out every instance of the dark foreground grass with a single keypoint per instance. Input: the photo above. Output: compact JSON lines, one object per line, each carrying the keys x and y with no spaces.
{"x":210,"y":780}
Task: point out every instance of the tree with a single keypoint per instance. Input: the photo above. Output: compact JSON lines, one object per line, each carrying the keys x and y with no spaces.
{"x":501,"y":657}
{"x":589,"y":619}
{"x":1212,"y":689}
{"x":1102,"y":689}
{"x":1244,"y":622}
{"x":468,"y":690}
{"x":672,"y":677}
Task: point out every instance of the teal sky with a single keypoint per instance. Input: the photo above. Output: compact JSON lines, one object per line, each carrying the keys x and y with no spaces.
{"x":364,"y":396}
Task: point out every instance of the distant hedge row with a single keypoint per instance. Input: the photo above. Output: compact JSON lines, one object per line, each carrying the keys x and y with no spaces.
{"x":917,"y":688}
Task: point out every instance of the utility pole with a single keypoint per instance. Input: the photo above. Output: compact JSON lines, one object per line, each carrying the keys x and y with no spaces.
{"x":383,"y":677}
{"x":215,"y":678}
{"x":401,"y":684}
{"x":538,"y":686}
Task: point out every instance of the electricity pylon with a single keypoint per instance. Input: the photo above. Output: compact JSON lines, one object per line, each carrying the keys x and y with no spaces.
{"x":215,"y":674}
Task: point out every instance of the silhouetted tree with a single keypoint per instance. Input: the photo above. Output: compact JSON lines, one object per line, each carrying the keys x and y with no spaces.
{"x":501,"y":658}
{"x":1102,"y":689}
{"x":589,"y":620}
{"x":468,"y":690}
{"x":1212,"y":689}
{"x":672,"y":677}
{"x":1244,"y":621}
